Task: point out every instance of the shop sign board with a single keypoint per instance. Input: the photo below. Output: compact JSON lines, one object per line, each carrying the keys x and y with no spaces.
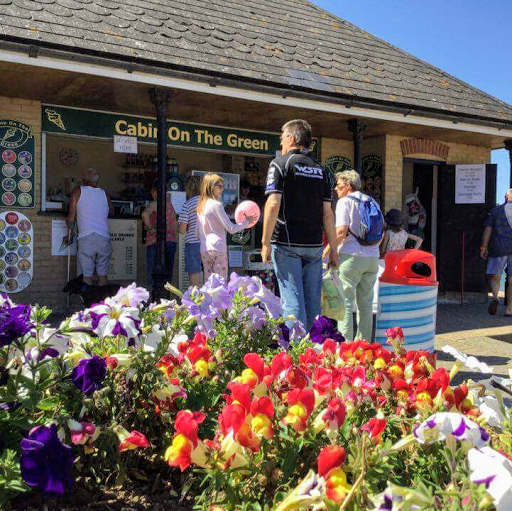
{"x":126,"y":145}
{"x":17,"y":161}
{"x":74,"y":121}
{"x":16,"y":251}
{"x":123,"y":262}
{"x":470,"y":184}
{"x":371,"y":176}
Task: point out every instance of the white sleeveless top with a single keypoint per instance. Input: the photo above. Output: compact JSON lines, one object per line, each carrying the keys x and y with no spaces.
{"x":92,"y":212}
{"x":397,"y":240}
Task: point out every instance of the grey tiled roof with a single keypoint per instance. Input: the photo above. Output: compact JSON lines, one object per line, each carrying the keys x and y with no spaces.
{"x":273,"y":42}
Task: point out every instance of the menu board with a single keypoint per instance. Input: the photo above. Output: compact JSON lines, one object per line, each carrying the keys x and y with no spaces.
{"x":17,"y":159}
{"x":16,"y":251}
{"x":123,"y":262}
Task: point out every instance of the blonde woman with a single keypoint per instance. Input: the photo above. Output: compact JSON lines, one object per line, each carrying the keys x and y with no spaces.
{"x":212,"y":225}
{"x":188,"y":227}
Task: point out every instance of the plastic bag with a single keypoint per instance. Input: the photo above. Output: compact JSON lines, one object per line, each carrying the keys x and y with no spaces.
{"x":333,"y":304}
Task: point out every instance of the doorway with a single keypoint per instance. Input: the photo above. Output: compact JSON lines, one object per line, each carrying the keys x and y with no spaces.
{"x":419,"y":199}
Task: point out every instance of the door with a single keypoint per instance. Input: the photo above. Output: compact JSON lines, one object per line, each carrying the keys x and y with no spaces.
{"x":422,"y":180}
{"x":459,"y":233}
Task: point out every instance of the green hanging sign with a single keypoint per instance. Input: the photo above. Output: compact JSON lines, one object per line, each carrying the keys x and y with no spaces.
{"x":73,"y":121}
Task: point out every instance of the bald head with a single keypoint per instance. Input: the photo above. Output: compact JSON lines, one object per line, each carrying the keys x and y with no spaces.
{"x":90,"y":177}
{"x":509,"y":195}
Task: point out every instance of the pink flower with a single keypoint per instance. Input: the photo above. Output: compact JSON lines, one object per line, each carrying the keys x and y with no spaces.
{"x":83,"y":433}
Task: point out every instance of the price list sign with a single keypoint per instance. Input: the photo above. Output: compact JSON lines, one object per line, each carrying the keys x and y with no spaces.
{"x":123,"y":262}
{"x":17,"y":159}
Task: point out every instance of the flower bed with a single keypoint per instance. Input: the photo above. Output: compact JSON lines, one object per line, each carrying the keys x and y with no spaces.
{"x":215,"y":402}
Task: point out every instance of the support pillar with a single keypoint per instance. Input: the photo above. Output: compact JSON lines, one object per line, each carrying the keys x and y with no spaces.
{"x":161,"y":99}
{"x":356,"y":127}
{"x":508,"y":146}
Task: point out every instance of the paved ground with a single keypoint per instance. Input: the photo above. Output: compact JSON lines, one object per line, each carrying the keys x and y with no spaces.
{"x":470,"y":329}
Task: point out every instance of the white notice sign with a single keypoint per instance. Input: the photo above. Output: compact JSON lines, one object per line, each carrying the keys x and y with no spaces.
{"x":59,"y":230}
{"x":125,"y":144}
{"x":177,"y":200}
{"x":123,"y":262}
{"x":235,"y":256}
{"x":470,"y":184}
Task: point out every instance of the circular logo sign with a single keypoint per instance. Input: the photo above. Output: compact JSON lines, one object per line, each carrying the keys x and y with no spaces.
{"x":11,"y":272}
{"x":11,"y":231}
{"x":25,"y":185}
{"x":24,"y":238}
{"x":25,"y":199}
{"x":11,"y":285}
{"x":11,"y":218}
{"x":8,"y":184}
{"x":24,"y":265}
{"x":11,"y":244}
{"x":24,"y":225}
{"x":24,"y":252}
{"x":11,"y":258}
{"x":9,"y":170}
{"x":9,"y":156}
{"x":25,"y":158}
{"x":24,"y":279}
{"x":14,"y":134}
{"x":337,"y":164}
{"x":25,"y":171}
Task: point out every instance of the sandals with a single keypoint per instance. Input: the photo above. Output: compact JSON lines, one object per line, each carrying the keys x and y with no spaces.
{"x":493,"y":307}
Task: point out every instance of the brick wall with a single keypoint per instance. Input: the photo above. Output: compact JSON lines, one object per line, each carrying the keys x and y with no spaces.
{"x":393,"y":164}
{"x":336,"y":147}
{"x":50,"y":272}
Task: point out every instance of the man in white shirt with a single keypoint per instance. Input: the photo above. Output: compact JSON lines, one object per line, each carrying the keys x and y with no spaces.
{"x":359,"y":263}
{"x":90,"y":207}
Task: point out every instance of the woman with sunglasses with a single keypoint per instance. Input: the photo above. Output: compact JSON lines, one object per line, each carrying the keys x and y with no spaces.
{"x":212,"y":225}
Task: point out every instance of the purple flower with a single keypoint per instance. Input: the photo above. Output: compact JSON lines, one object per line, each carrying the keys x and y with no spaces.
{"x":37,"y":356}
{"x":247,"y":285}
{"x":284,"y":337}
{"x":256,"y":316}
{"x":216,"y":288}
{"x":88,"y":375}
{"x":199,"y":306}
{"x":324,"y":328}
{"x":14,"y":322}
{"x":45,"y":461}
{"x":10,"y":407}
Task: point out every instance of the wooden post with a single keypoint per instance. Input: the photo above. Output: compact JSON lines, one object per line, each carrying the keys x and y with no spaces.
{"x":356,"y":127}
{"x":161,"y":99}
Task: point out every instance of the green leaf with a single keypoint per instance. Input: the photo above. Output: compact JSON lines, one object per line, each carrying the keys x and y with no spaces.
{"x":48,"y":403}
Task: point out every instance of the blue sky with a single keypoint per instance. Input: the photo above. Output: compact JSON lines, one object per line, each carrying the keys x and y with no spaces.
{"x":469,"y":39}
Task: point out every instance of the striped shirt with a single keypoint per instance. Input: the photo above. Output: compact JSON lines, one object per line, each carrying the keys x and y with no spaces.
{"x":188,"y":216}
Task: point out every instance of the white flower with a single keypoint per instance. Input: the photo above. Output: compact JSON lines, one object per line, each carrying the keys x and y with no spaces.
{"x":110,"y":318}
{"x":397,"y":498}
{"x":441,"y":425}
{"x":156,"y":336}
{"x":491,"y":468}
{"x":309,"y":493}
{"x":131,"y":296}
{"x":468,"y":360}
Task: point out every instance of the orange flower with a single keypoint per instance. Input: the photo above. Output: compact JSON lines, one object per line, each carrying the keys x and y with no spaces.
{"x":330,"y":460}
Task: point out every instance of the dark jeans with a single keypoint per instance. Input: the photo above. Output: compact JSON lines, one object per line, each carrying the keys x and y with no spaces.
{"x":170,"y":251}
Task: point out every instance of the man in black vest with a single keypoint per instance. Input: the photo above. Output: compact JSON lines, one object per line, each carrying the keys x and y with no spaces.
{"x":297,"y":210}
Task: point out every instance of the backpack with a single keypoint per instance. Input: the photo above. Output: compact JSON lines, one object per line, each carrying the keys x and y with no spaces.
{"x":372,"y":221}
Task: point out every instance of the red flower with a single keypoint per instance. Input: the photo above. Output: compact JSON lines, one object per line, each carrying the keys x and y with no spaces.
{"x":241,"y":394}
{"x":329,"y":347}
{"x":374,"y":427}
{"x":111,"y":362}
{"x":330,"y":457}
{"x":134,"y":440}
{"x":281,"y":362}
{"x":395,"y":333}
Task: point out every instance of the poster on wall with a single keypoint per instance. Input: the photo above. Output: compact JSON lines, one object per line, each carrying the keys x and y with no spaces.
{"x":123,"y":263}
{"x":230,"y":195}
{"x":16,"y":252}
{"x":17,"y":160}
{"x":371,"y":176}
{"x":470,"y":184}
